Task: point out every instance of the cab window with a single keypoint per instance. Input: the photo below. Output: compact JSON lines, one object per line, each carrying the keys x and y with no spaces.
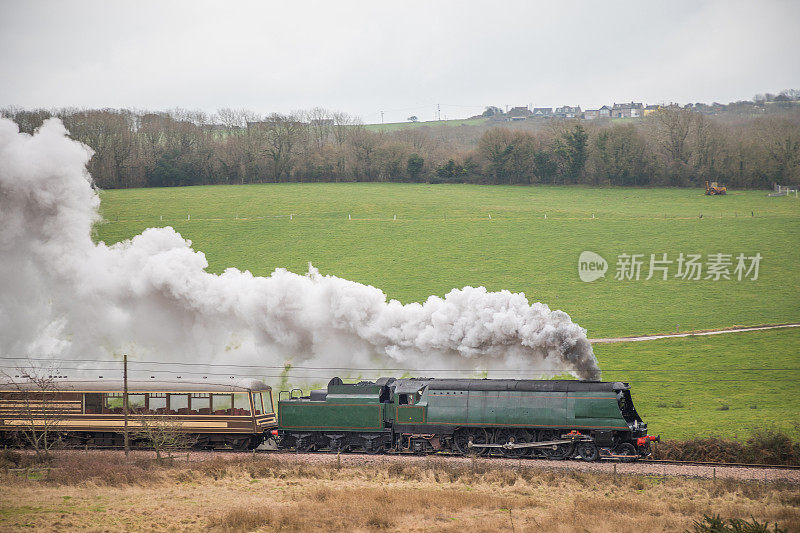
{"x":266,"y":400}
{"x":257,"y":405}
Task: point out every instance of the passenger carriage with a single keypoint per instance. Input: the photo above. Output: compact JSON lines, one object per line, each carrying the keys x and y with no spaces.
{"x":238,"y":414}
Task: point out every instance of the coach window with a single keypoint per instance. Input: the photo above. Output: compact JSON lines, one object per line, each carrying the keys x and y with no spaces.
{"x":157,"y":403}
{"x":179,"y":404}
{"x":201,"y":403}
{"x":221,"y":404}
{"x":267,"y":402}
{"x":113,"y":403}
{"x":137,"y":403}
{"x":241,"y":404}
{"x":257,"y":405}
{"x":93,"y":403}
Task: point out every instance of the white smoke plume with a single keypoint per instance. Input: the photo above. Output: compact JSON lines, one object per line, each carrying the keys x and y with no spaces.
{"x":62,"y":296}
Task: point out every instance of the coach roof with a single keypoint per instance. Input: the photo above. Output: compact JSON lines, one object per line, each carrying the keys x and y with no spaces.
{"x":134,"y":386}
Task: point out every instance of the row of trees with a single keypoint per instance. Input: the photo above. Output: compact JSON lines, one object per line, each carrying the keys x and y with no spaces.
{"x":673,"y":146}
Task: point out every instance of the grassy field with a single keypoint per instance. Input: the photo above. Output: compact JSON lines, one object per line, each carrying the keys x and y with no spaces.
{"x":393,"y":126}
{"x":698,"y":386}
{"x":265,"y":494}
{"x":528,"y":239}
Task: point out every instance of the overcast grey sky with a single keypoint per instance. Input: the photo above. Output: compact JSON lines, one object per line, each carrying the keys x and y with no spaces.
{"x":402,"y":57}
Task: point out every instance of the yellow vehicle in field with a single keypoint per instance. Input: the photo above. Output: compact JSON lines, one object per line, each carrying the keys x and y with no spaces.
{"x":714,"y":188}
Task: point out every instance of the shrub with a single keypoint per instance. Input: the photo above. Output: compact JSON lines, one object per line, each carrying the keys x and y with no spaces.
{"x":766,"y":446}
{"x":715,"y":524}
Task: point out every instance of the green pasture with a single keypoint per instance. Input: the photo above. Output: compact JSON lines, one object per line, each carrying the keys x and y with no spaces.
{"x":394,"y":126}
{"x":717,"y":385}
{"x":528,"y":239}
{"x":444,"y":237}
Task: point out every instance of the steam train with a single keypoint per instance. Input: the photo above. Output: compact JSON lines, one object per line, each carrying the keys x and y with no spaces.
{"x":555,"y":419}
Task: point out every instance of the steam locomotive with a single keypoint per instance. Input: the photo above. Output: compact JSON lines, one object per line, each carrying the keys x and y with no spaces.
{"x":555,"y":419}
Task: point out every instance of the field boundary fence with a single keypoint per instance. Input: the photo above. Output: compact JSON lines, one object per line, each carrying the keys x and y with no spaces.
{"x":477,"y":217}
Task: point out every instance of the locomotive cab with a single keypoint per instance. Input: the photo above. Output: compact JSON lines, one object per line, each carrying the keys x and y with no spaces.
{"x":629,"y":411}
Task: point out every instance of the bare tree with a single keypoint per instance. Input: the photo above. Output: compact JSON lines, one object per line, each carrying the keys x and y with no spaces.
{"x":672,"y":127}
{"x":164,"y":434}
{"x":38,"y":405}
{"x":283,"y":134}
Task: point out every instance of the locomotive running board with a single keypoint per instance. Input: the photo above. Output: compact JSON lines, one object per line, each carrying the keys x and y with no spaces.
{"x":527,"y":444}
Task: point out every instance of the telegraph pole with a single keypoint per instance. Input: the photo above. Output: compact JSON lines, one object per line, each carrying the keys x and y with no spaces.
{"x":381,"y":117}
{"x":125,"y":401}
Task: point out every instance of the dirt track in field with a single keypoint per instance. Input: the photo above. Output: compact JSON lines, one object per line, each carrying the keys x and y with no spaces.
{"x":648,"y":469}
{"x":691,"y":334}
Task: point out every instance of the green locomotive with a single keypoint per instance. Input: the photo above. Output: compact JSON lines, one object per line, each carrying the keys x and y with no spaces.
{"x":556,"y":419}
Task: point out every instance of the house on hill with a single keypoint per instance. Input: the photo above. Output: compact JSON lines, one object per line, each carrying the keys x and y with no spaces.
{"x":568,"y":112}
{"x":518,"y":113}
{"x":631,"y":110}
{"x":542,"y":112}
{"x":651,"y":109}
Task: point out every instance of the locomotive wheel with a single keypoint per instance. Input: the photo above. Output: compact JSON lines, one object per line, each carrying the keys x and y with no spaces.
{"x":588,"y":451}
{"x":628,"y":452}
{"x":517,"y":436}
{"x":556,"y":452}
{"x":480,"y":436}
{"x":464,"y":436}
{"x":461,"y":441}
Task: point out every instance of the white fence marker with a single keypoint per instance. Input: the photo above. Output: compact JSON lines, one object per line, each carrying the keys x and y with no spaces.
{"x":188,"y":217}
{"x":545,"y":216}
{"x":490,"y":216}
{"x":290,"y":216}
{"x":395,"y":217}
{"x":348,"y":216}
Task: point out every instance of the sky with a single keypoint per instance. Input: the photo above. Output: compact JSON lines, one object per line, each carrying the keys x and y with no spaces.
{"x":400,"y":58}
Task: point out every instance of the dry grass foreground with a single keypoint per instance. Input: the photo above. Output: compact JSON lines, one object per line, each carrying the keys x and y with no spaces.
{"x":101,"y":492}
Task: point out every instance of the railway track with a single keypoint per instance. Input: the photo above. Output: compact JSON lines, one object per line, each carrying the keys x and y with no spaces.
{"x":715,"y":464}
{"x":530,"y":460}
{"x":534,"y":460}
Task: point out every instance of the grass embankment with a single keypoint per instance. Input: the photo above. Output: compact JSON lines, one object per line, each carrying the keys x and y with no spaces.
{"x":443,"y":238}
{"x":103,"y":492}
